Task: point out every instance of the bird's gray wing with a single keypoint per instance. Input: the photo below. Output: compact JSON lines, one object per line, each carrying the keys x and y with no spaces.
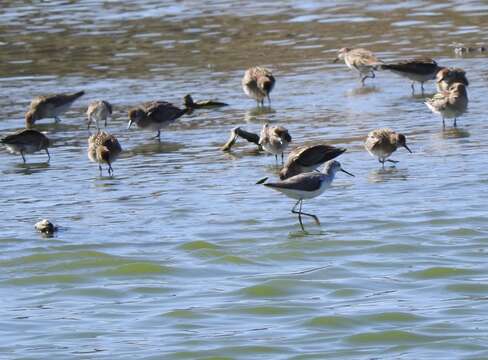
{"x":307,"y":182}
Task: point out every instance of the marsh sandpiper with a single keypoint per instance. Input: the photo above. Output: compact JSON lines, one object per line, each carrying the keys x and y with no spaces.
{"x":103,"y":148}
{"x":307,"y":186}
{"x":51,"y":106}
{"x":257,"y":83}
{"x":381,"y":143}
{"x":361,"y":60}
{"x":27,"y":141}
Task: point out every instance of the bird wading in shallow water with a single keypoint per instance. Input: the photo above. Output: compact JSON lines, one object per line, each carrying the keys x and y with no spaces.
{"x":27,"y":141}
{"x":381,"y":143}
{"x":308,"y":158}
{"x":418,"y":70}
{"x":272,"y":139}
{"x":307,"y":186}
{"x":103,"y":148}
{"x":155,"y":115}
{"x":51,"y":106}
{"x":361,"y":60}
{"x":98,"y":110}
{"x":448,"y":76}
{"x":449,"y":104}
{"x":257,"y":83}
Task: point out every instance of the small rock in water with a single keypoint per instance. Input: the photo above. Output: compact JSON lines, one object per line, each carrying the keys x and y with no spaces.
{"x":46,"y":227}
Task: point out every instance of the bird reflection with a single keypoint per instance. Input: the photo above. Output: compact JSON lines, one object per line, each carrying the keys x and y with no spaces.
{"x":387,"y":174}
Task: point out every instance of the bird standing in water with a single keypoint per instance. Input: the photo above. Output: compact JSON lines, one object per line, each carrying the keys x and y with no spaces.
{"x":307,"y":186}
{"x":257,"y":83}
{"x":51,"y":106}
{"x":155,"y":115}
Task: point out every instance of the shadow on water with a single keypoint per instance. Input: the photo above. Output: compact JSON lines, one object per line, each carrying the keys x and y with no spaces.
{"x":387,"y":174}
{"x":454,"y":133}
{"x":251,"y":115}
{"x":30,"y":168}
{"x":363,"y":90}
{"x":153,"y":146}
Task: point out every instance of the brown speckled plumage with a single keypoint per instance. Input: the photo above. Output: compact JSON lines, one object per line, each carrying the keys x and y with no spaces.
{"x":51,"y":106}
{"x":103,"y":148}
{"x":257,"y":83}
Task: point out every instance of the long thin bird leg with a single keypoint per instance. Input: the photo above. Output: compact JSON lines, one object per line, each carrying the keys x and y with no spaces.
{"x":443,"y":123}
{"x":299,"y":212}
{"x":311,"y":215}
{"x":48,"y":155}
{"x":110,"y":169}
{"x":22,"y":154}
{"x":422,"y":87}
{"x":158,"y":136}
{"x":276,"y":158}
{"x":282,"y":159}
{"x":393,"y":161}
{"x":269,"y":100}
{"x":455,"y":124}
{"x":413,"y":88}
{"x":382,"y":162}
{"x":100,"y":168}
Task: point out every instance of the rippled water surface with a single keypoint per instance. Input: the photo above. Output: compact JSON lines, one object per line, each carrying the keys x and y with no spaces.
{"x":179,"y":255}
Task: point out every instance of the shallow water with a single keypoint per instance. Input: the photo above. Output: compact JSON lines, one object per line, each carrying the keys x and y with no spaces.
{"x":180,"y":255}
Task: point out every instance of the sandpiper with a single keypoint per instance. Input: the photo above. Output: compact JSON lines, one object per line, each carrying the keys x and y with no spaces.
{"x":461,"y":50}
{"x":381,"y":143}
{"x":27,"y":141}
{"x":258,"y":82}
{"x":103,"y":148}
{"x":449,"y":104}
{"x":155,"y":115}
{"x":273,"y":139}
{"x":418,"y":69}
{"x":307,"y":186}
{"x":308,"y":158}
{"x":361,"y":60}
{"x":98,"y":110}
{"x":448,"y":76}
{"x":51,"y":106}
{"x":201,"y":104}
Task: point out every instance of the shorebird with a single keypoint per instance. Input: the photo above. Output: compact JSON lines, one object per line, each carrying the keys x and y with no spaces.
{"x":103,"y":148}
{"x":381,"y":143}
{"x":51,"y":106}
{"x":308,"y":158}
{"x":307,"y":186}
{"x":190,"y":104}
{"x":273,"y":139}
{"x":418,"y":69}
{"x":155,"y":115}
{"x":27,"y":141}
{"x":257,"y":83}
{"x":448,"y":76}
{"x":449,"y":104}
{"x":361,"y":60}
{"x":461,"y":50}
{"x":98,"y":110}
